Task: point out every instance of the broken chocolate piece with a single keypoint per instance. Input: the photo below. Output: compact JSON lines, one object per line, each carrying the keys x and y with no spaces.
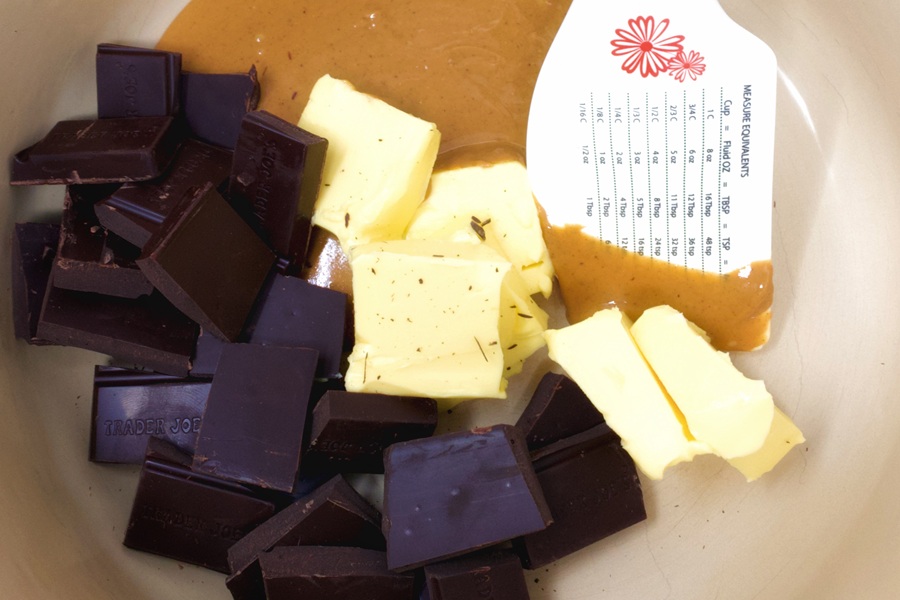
{"x":188,"y":516}
{"x":214,"y":104}
{"x":593,"y":490}
{"x":91,"y":259}
{"x":455,"y":493}
{"x":332,"y":515}
{"x":137,"y":82}
{"x":208,"y":262}
{"x":33,"y":252}
{"x":558,"y":409}
{"x":253,"y":426}
{"x":292,"y":312}
{"x":351,"y":431}
{"x":206,"y":355}
{"x":99,"y":151}
{"x":131,"y":406}
{"x":136,"y":210}
{"x":277,"y":170}
{"x":497,"y":575}
{"x":332,"y":573}
{"x":146,"y":331}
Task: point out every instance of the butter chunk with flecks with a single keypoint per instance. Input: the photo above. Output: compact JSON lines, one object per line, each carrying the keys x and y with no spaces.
{"x":377,"y":167}
{"x":427,"y":320}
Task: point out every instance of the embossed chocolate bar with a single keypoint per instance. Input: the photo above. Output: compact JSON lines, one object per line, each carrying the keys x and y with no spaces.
{"x":188,"y":516}
{"x":137,"y":82}
{"x":277,"y":170}
{"x":99,"y":151}
{"x":131,"y":406}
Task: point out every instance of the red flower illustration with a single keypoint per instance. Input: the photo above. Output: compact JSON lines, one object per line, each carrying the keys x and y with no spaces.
{"x":643,"y":45}
{"x":691,"y":65}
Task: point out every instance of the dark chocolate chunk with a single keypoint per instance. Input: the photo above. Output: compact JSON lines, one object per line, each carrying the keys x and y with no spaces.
{"x":91,"y":259}
{"x":146,"y":331}
{"x":459,"y":492}
{"x":214,"y":104}
{"x":351,"y":431}
{"x":333,"y":515}
{"x":277,"y":170}
{"x":323,"y":573}
{"x":99,"y":151}
{"x":136,"y":210}
{"x":593,"y":490}
{"x":496,"y":575}
{"x":292,"y":312}
{"x":208,"y":262}
{"x":206,"y":355}
{"x":33,"y":252}
{"x":188,"y":516}
{"x":558,"y":409}
{"x":137,"y":82}
{"x":131,"y":406}
{"x":253,"y":426}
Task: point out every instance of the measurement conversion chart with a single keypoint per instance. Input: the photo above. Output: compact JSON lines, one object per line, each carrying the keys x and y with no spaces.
{"x":668,"y":152}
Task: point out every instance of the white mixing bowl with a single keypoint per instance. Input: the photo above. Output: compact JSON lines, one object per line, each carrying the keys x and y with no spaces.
{"x":824,"y":525}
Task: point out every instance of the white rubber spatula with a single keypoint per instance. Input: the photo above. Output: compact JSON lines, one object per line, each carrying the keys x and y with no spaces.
{"x":652,"y":125}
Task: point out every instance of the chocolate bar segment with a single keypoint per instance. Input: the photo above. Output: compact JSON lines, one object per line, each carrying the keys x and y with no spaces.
{"x":187,"y":516}
{"x":593,"y":490}
{"x":146,"y":331}
{"x":332,"y":515}
{"x":455,"y":493}
{"x":130,"y":407}
{"x":137,"y":210}
{"x":99,"y":151}
{"x":91,"y":259}
{"x":292,"y":312}
{"x":321,"y":573}
{"x":33,"y":252}
{"x":558,"y":409}
{"x":208,"y":262}
{"x":497,"y":575}
{"x":213,"y":104}
{"x":350,"y":431}
{"x":277,"y":170}
{"x":137,"y":82}
{"x":253,"y":426}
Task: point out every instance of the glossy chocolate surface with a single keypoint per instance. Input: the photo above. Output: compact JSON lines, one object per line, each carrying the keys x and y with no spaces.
{"x":252,"y":429}
{"x":459,"y":492}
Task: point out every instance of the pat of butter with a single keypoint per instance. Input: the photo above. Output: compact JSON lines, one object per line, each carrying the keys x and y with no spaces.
{"x":600,"y":355}
{"x":377,"y":166}
{"x":427,"y":320}
{"x":723,"y":408}
{"x":783,"y":436}
{"x":493,"y":204}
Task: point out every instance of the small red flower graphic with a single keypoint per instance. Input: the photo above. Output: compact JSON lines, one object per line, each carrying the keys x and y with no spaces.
{"x":687,"y":65}
{"x":643,"y":46}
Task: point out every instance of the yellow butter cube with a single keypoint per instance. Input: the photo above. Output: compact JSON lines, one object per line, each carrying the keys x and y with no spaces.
{"x":377,"y":166}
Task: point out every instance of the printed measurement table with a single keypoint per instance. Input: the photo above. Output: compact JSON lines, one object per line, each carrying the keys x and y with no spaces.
{"x":659,"y":170}
{"x":659,"y":138}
